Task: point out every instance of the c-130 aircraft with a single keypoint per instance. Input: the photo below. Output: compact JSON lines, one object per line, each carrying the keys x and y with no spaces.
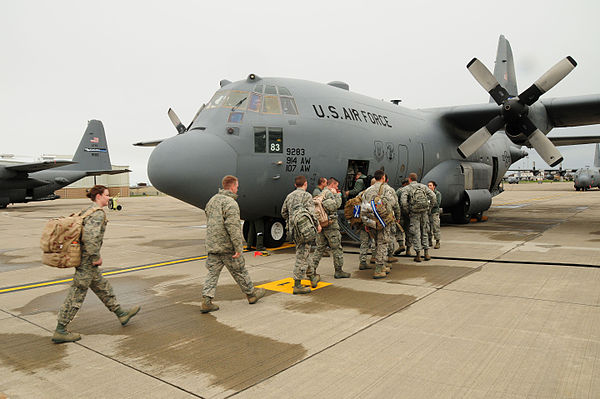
{"x":266,"y":131}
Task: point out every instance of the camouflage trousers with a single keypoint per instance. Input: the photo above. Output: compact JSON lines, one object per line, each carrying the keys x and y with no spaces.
{"x":418,"y":231}
{"x":392,"y":239}
{"x":434,"y":226}
{"x":329,"y":235}
{"x":402,"y":236}
{"x":382,"y":240}
{"x":365,"y":244}
{"x":302,"y":255}
{"x":86,"y":276}
{"x":236,"y":267}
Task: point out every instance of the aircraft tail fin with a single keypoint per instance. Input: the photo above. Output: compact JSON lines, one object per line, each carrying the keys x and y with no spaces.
{"x":597,"y":156}
{"x":92,"y":153}
{"x":504,"y":70}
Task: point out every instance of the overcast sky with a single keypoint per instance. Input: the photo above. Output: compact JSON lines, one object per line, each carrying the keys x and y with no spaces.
{"x":126,"y":62}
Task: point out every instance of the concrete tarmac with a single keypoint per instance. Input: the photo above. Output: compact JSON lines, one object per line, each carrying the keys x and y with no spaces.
{"x":507,"y":308}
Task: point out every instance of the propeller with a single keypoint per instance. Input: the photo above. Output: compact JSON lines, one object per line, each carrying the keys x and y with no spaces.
{"x":177,"y":122}
{"x":513,"y":113}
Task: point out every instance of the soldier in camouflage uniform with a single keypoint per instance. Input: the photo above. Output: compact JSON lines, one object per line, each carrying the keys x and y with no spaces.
{"x":382,"y":237}
{"x":434,"y":217}
{"x":299,"y":198}
{"x":419,"y":221}
{"x":224,"y":245}
{"x":322,"y":184}
{"x":87,"y":274}
{"x":402,"y":235}
{"x":332,"y":199}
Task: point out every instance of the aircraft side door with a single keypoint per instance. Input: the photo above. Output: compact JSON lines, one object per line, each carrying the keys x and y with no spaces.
{"x":402,"y":164}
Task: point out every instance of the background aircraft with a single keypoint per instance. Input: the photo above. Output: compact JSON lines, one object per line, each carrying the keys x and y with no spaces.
{"x":37,"y":181}
{"x":266,"y":131}
{"x":588,"y":177}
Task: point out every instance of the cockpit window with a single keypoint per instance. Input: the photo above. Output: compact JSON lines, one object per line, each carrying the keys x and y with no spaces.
{"x":283,"y":91}
{"x":237,"y":98}
{"x":270,"y":89}
{"x":271,"y":105}
{"x":259,"y":88}
{"x":218,"y":99}
{"x":260,"y":139}
{"x":289,"y":106}
{"x":255,"y":102}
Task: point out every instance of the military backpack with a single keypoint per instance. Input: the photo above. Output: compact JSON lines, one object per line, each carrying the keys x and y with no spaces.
{"x":352,"y":209}
{"x":322,"y":215}
{"x":61,"y":239}
{"x":376,"y":214}
{"x":418,"y":201}
{"x":302,"y":226}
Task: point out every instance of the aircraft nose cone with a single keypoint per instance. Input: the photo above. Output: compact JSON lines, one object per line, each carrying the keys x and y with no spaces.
{"x":190,"y":166}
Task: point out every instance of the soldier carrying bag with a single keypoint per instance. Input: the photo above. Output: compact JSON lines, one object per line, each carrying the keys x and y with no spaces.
{"x":352,"y":209}
{"x":375,"y":213}
{"x":302,"y":227}
{"x":61,"y":239}
{"x":418,"y":201}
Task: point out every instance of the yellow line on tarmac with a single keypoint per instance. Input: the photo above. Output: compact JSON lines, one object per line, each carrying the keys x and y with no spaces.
{"x":119,"y":271}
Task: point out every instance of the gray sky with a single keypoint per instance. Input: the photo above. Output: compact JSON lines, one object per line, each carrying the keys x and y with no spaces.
{"x":127,"y":62}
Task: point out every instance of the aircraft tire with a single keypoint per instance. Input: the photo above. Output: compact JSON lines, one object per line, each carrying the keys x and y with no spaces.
{"x":274,"y":233}
{"x":460,"y":216}
{"x":3,"y":206}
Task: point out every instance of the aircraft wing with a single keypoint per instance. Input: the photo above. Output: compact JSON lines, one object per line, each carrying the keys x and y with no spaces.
{"x":468,"y":118}
{"x":106,"y":172}
{"x":37,"y":166}
{"x":152,"y":143}
{"x":574,"y":140}
{"x":573,"y":111}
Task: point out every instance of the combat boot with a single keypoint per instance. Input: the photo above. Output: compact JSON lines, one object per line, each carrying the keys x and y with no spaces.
{"x":391,"y":259}
{"x":373,"y":259}
{"x":400,"y":250}
{"x":339,"y":273}
{"x":418,"y":257}
{"x":125,"y":315}
{"x":437,"y":244}
{"x":427,"y":257}
{"x":379,"y":272}
{"x":364,"y":266}
{"x":299,"y":288}
{"x":387,"y":269}
{"x":430,"y":242}
{"x":314,"y":280}
{"x":207,"y":305}
{"x":256,"y":295}
{"x":408,"y":251}
{"x":61,"y":335}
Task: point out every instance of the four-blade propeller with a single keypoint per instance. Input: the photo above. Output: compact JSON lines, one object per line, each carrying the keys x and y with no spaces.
{"x":513,"y":114}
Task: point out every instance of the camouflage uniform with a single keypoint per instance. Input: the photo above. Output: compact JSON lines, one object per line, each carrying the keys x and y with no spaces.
{"x":384,"y":236}
{"x":331,"y":234}
{"x":223,"y":240}
{"x":317,"y":191}
{"x":87,"y":275}
{"x":419,"y":221}
{"x":434,"y":217}
{"x":402,"y":237}
{"x":296,"y":199}
{"x":359,"y":186}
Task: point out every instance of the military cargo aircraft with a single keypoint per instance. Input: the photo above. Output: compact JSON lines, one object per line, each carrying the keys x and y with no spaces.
{"x":588,"y":177}
{"x":266,"y":131}
{"x":37,"y":181}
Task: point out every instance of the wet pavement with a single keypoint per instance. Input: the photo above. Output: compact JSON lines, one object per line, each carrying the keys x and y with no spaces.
{"x":462,"y":324}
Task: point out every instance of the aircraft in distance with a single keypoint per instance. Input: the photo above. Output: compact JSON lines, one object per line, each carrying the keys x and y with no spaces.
{"x":266,"y":131}
{"x":37,"y":181}
{"x":588,"y":177}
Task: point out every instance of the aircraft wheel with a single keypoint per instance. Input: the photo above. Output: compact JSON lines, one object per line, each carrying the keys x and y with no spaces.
{"x":460,"y":215}
{"x":274,"y":233}
{"x":245,"y":230}
{"x":479,"y":216}
{"x":3,"y":206}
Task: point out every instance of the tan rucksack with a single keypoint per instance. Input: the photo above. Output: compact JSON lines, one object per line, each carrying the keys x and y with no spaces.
{"x":61,"y":238}
{"x":352,"y":209}
{"x":320,"y":210}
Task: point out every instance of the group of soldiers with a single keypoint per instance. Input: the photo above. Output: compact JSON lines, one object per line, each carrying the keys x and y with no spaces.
{"x":224,"y":242}
{"x":414,"y":226}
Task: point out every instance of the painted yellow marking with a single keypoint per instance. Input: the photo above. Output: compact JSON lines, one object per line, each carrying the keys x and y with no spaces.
{"x":119,"y":271}
{"x":287,"y":285}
